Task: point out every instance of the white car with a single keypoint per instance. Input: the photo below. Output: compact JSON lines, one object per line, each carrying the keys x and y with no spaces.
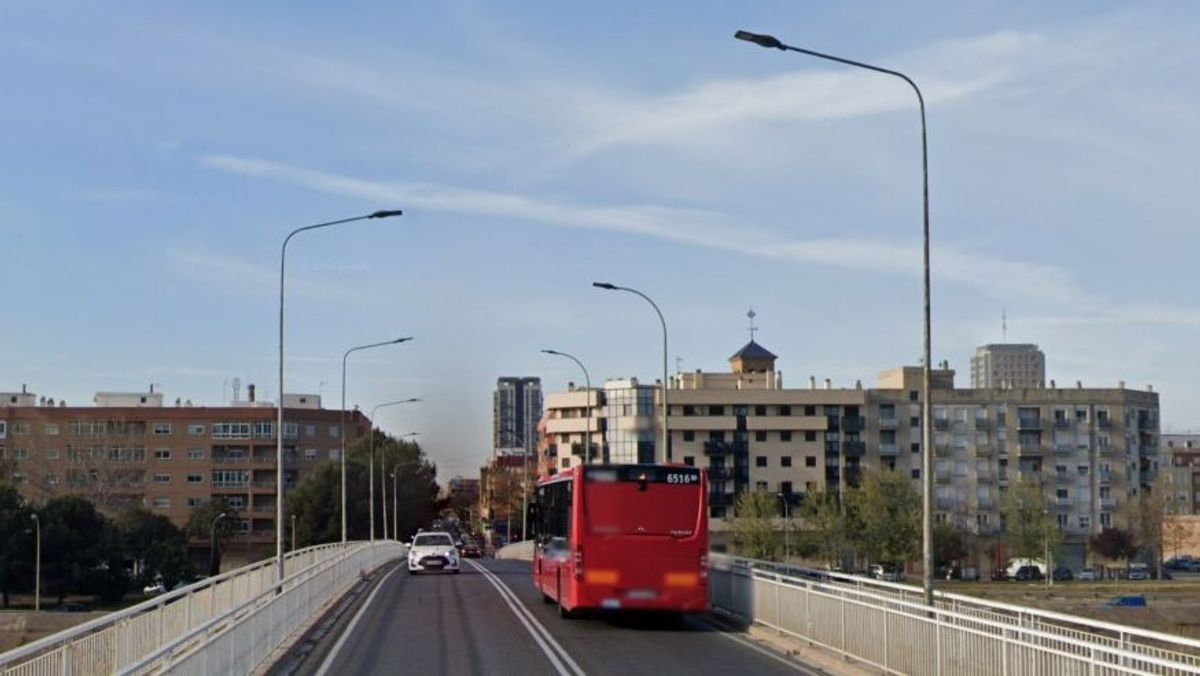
{"x":433,"y":551}
{"x":154,"y":589}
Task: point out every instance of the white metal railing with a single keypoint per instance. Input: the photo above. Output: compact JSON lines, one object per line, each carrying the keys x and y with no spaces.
{"x":888,"y":626}
{"x":107,"y":644}
{"x":241,"y":639}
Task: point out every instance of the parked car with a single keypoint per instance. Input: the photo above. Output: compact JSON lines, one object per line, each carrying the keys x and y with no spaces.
{"x":1088,"y":574}
{"x":154,"y":589}
{"x":1029,"y":574}
{"x":1139,"y":571}
{"x":1062,"y":574}
{"x":886,"y":572}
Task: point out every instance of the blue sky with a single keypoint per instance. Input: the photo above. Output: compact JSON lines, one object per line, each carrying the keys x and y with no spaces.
{"x":154,"y":157}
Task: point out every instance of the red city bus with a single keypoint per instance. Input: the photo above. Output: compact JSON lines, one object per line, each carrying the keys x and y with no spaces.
{"x":622,"y":537}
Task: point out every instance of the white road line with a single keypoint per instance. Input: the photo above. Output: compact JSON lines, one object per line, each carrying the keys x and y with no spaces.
{"x":328,"y":662}
{"x":545,"y":640}
{"x":775,"y":656}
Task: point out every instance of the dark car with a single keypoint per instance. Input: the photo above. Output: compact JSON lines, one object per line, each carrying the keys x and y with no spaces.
{"x":1029,"y":574}
{"x":471,"y":550}
{"x":1063,"y":574}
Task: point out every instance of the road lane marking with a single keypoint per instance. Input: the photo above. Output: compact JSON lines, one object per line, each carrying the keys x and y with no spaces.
{"x":547,"y":642}
{"x":802,"y":668}
{"x":328,"y":662}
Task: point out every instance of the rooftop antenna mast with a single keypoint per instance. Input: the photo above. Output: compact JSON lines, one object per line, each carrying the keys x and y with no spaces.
{"x":678,"y":365}
{"x":751,"y":315}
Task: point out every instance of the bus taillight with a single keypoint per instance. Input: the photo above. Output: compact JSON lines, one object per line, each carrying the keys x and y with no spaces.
{"x":578,"y":562}
{"x":704,"y":565}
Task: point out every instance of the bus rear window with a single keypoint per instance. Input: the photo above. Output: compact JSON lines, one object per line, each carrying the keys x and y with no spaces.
{"x":633,"y":500}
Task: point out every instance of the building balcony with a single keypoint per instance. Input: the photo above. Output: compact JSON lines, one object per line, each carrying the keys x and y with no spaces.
{"x":720,"y":499}
{"x":854,"y":423}
{"x":1104,"y":423}
{"x":985,"y":503}
{"x":983,"y":424}
{"x":729,"y":473}
{"x":887,"y":423}
{"x":832,"y":447}
{"x":1106,"y":450}
{"x":888,"y":449}
{"x":726,"y":448}
{"x":1147,"y":449}
{"x":1063,"y":503}
{"x":1030,"y":449}
{"x":982,"y":450}
{"x":1108,"y":503}
{"x":231,"y":459}
{"x":984,"y":476}
{"x":941,"y":477}
{"x":1064,"y":449}
{"x":854,"y":448}
{"x":941,"y":450}
{"x":1002,"y":476}
{"x":230,"y":484}
{"x":269,"y":485}
{"x":1062,"y":423}
{"x":1062,"y":478}
{"x":941,"y":423}
{"x":1104,"y":477}
{"x":1029,"y":423}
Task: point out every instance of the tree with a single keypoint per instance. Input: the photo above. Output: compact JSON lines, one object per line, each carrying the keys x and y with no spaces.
{"x":73,"y":539}
{"x":824,"y":519}
{"x":200,"y":526}
{"x":16,"y":542}
{"x":105,"y":464}
{"x":1030,"y":530}
{"x":1114,"y":544}
{"x":156,"y":546}
{"x":949,"y":544}
{"x":753,"y":526}
{"x":885,"y":516}
{"x":1143,"y":518}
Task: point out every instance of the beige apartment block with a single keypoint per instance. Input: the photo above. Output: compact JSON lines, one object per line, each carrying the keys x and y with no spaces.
{"x":1091,"y":449}
{"x":131,"y":450}
{"x":1180,"y":472}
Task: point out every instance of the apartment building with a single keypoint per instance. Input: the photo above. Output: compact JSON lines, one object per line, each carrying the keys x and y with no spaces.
{"x":1015,"y":365}
{"x":1090,"y":448}
{"x":1180,"y":481}
{"x":516,"y":410}
{"x":129,"y":449}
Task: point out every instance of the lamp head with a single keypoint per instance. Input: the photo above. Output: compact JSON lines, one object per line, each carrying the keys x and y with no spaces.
{"x":550,"y":352}
{"x":402,"y":340}
{"x":605,"y":285}
{"x":768,"y":41}
{"x":386,"y":213}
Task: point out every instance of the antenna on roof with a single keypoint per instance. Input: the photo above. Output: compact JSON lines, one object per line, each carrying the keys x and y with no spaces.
{"x":752,"y":314}
{"x":678,"y":363}
{"x":1004,"y":325}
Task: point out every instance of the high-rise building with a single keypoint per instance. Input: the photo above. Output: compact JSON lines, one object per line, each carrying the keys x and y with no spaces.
{"x":1004,"y":365}
{"x":1180,"y":471}
{"x":516,"y":410}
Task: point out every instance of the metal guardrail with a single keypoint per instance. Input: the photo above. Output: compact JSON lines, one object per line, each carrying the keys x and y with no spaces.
{"x":888,"y":626}
{"x":110,"y":643}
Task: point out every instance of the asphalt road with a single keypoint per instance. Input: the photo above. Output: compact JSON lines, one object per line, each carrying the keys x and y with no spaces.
{"x":476,"y":623}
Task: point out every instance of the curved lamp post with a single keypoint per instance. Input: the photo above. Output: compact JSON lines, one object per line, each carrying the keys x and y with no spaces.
{"x":342,"y":433}
{"x":666,"y":435}
{"x":279,"y":406}
{"x":383,"y":486}
{"x":771,"y":42}
{"x":212,"y":543}
{"x":371,"y":463}
{"x":587,"y":443}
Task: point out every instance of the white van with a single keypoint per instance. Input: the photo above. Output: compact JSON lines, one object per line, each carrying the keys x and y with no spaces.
{"x":1016,"y":564}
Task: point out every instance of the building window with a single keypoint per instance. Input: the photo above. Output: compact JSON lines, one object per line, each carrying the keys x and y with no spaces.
{"x":716,"y":410}
{"x":310,"y":430}
{"x":196,"y":429}
{"x":716,"y":435}
{"x":335,"y":454}
{"x":231,"y":430}
{"x":52,"y":479}
{"x":810,"y":410}
{"x":785,"y":435}
{"x":914,"y":422}
{"x":689,"y":410}
{"x":20,"y":454}
{"x":52,"y":454}
{"x":195,"y":478}
{"x":20,"y":428}
{"x":195,"y":502}
{"x":689,"y":460}
{"x":915,"y":447}
{"x":20,"y":478}
{"x":1085,"y":523}
{"x":1106,"y":519}
{"x":162,"y":503}
{"x":195,"y":454}
{"x":785,"y":461}
{"x":760,"y":435}
{"x":785,"y":410}
{"x":810,"y":461}
{"x":760,"y":485}
{"x":810,"y":435}
{"x":310,"y":454}
{"x":760,"y":410}
{"x":334,"y":431}
{"x":566,"y":463}
{"x":162,"y":454}
{"x":162,"y":478}
{"x":785,"y":487}
{"x":916,"y":474}
{"x":689,"y":435}
{"x":50,"y":430}
{"x":291,"y":430}
{"x":162,"y":429}
{"x":760,"y":461}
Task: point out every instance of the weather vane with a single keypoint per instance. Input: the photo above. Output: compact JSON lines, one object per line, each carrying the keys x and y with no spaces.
{"x":752,"y":314}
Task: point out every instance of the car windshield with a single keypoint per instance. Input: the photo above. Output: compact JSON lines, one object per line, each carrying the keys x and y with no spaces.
{"x":433,"y":540}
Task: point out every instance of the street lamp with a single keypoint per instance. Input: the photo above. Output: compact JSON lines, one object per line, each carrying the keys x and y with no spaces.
{"x":587,"y":444}
{"x":524,"y":486}
{"x":371,"y":463}
{"x":293,"y":532}
{"x":37,"y":566}
{"x":771,"y":42}
{"x":666,"y":435}
{"x":395,"y":515}
{"x":343,"y":429}
{"x":787,"y":547}
{"x":212,"y":544}
{"x":383,"y":485}
{"x":279,"y":406}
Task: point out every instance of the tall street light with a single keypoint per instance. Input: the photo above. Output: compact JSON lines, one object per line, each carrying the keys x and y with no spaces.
{"x":395,"y":518}
{"x":212,"y":543}
{"x":771,"y":42}
{"x":371,"y":460}
{"x":587,"y":443}
{"x":383,"y":475}
{"x":512,"y":434}
{"x":666,"y":435}
{"x":343,"y":429}
{"x":279,"y":406}
{"x":37,"y":566}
